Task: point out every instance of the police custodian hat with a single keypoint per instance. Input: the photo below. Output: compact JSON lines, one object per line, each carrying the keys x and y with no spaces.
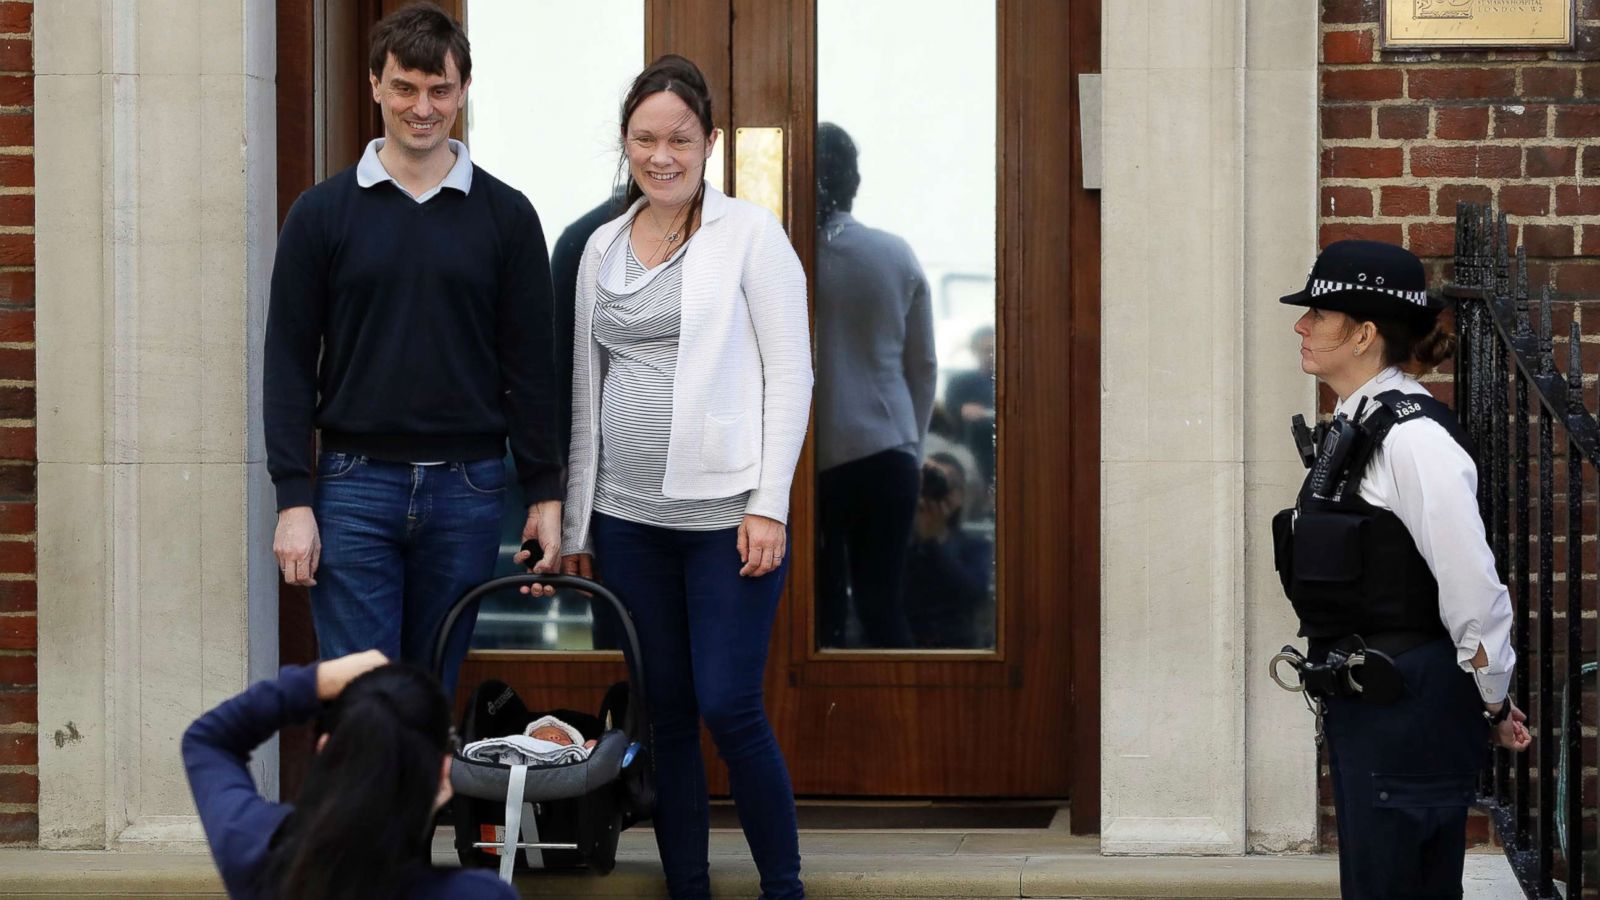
{"x":1370,"y":279}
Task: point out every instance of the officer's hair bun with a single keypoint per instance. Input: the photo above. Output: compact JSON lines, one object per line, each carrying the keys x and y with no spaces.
{"x":1434,"y":347}
{"x":1416,"y":345}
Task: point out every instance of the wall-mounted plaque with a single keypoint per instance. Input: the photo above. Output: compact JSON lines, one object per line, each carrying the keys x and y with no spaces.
{"x":1435,"y":24}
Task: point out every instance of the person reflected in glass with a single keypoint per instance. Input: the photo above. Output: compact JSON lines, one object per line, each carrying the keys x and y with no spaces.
{"x":947,"y":568}
{"x":969,"y":396}
{"x":691,"y":390}
{"x":876,"y":375}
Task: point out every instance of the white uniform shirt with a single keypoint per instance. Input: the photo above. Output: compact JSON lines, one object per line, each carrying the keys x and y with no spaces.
{"x":1426,"y":479}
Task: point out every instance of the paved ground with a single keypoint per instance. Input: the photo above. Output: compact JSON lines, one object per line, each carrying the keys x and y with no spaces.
{"x":853,"y":864}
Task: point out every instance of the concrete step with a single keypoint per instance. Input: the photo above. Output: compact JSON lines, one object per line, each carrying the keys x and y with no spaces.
{"x":837,"y":864}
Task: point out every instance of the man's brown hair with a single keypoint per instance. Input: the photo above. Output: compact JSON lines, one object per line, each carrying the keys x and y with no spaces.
{"x":419,"y":36}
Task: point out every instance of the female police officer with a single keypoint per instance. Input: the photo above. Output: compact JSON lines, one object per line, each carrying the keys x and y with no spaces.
{"x":1384,"y":559}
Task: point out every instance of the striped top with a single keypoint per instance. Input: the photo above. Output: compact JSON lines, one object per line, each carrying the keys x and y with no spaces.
{"x":636,"y":322}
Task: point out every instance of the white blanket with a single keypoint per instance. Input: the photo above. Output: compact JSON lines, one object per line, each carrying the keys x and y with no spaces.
{"x":523,"y":750}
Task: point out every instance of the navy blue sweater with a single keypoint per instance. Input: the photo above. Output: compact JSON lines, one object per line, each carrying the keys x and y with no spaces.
{"x":411,"y":332}
{"x":240,"y":823}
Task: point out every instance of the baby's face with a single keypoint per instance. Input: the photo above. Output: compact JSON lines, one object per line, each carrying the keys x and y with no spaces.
{"x":552,"y":734}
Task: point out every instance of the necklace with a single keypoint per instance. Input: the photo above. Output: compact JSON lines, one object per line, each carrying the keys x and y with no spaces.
{"x":669,"y":237}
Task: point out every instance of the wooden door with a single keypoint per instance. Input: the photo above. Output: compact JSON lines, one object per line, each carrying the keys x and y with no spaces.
{"x":1017,"y":717}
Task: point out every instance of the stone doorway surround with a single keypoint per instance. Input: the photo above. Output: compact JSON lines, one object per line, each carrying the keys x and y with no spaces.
{"x":156,"y":227}
{"x":1209,"y":213}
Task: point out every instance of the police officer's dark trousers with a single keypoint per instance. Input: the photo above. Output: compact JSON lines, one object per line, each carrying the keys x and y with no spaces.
{"x":1404,"y":774}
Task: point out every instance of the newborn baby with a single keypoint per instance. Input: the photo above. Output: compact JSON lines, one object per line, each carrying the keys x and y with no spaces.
{"x":552,"y":729}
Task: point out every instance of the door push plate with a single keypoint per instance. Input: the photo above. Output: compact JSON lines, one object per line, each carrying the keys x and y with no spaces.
{"x":758,"y":167}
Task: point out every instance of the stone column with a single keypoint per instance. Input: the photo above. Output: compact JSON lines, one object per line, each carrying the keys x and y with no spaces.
{"x":156,"y":222}
{"x":1209,"y":212}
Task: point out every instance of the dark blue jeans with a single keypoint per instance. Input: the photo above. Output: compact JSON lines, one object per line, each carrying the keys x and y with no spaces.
{"x":400,"y":544}
{"x":703,"y":633}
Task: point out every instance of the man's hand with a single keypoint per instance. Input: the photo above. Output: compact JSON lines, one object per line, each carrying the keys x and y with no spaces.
{"x":544,"y":526}
{"x":761,"y":545}
{"x":1513,"y":732}
{"x":334,"y":674}
{"x":297,"y":545}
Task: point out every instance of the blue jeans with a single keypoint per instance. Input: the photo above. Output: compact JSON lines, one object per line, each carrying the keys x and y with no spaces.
{"x":400,"y":544}
{"x":703,"y":633}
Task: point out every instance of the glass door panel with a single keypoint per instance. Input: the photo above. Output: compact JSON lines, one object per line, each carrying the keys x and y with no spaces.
{"x":905,"y":155}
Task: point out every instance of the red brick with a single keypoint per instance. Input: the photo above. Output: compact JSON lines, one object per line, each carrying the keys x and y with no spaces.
{"x":1541,"y":240}
{"x":16,"y":129}
{"x":16,"y":90}
{"x":1349,"y":12}
{"x":16,"y":55}
{"x":21,"y":669}
{"x":19,"y":787}
{"x":1347,"y":47}
{"x":1552,"y":162}
{"x":1525,"y":200}
{"x":1462,"y":123}
{"x":1577,"y":121}
{"x":16,"y":327}
{"x":1591,"y":161}
{"x":1402,"y":121}
{"x":16,"y":209}
{"x":16,"y":170}
{"x":1451,"y":194}
{"x":19,"y":444}
{"x":18,"y":596}
{"x":1574,"y":200}
{"x":1341,"y":231}
{"x":1431,"y":239}
{"x":16,"y":403}
{"x":1555,"y":83}
{"x":16,"y":249}
{"x":1362,"y":162}
{"x":16,"y":363}
{"x":18,"y":480}
{"x":1345,"y":202}
{"x":1485,"y":162}
{"x":16,"y":287}
{"x":1590,"y":77}
{"x":16,"y":18}
{"x":1461,"y":84}
{"x":18,"y":707}
{"x":18,"y":749}
{"x":1346,"y":122}
{"x":1591,"y":241}
{"x":1404,"y":201}
{"x":1520,"y":121}
{"x":18,"y":518}
{"x":1362,"y":84}
{"x":19,"y":633}
{"x":19,"y":827}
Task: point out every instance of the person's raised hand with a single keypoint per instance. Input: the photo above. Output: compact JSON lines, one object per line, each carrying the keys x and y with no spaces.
{"x":333,"y":675}
{"x":297,"y":545}
{"x":761,"y":545}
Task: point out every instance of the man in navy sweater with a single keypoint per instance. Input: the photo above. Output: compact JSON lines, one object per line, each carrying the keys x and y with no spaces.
{"x":411,"y":323}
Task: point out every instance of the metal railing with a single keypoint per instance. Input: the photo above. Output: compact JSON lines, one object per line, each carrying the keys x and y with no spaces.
{"x":1507,"y":385}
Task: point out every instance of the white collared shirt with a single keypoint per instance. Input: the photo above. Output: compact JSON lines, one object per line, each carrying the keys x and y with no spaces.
{"x":370,"y":171}
{"x":1426,"y":479}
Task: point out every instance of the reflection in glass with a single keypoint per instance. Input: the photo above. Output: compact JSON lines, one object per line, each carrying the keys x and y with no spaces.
{"x":542,"y":116}
{"x":905,"y":312}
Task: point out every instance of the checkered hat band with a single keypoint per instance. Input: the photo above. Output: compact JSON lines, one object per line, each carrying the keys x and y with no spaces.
{"x":1320,"y":286}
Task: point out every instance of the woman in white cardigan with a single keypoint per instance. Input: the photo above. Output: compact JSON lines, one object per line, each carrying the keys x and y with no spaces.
{"x":690,"y":393}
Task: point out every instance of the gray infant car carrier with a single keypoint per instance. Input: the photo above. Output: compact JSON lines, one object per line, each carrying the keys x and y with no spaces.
{"x":566,"y":815}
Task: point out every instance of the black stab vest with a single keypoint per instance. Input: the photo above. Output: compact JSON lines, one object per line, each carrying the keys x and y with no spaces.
{"x":1349,"y":567}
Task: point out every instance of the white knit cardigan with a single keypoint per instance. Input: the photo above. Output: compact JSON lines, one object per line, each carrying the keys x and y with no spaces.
{"x":741,"y":396}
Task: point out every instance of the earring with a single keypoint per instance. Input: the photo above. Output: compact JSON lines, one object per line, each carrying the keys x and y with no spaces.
{"x":1358,"y":351}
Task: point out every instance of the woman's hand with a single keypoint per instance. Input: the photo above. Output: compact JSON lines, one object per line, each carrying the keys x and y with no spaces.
{"x":761,"y":545}
{"x":579,"y":564}
{"x":335,"y":674}
{"x":1513,"y":732}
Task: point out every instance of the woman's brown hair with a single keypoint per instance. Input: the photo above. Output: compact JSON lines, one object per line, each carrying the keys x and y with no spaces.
{"x":681,"y":78}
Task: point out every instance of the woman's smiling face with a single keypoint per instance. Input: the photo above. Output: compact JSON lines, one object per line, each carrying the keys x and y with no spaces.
{"x":667,"y":149}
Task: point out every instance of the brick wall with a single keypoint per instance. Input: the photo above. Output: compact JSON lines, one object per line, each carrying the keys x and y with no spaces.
{"x":19,"y":770}
{"x":1405,"y":135}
